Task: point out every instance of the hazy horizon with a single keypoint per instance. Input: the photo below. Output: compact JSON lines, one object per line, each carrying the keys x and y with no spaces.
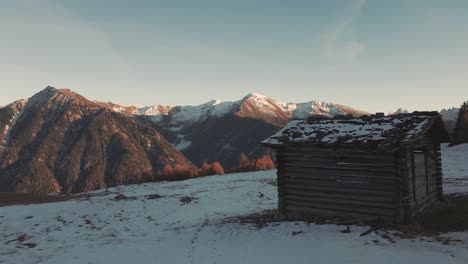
{"x":371,"y":55}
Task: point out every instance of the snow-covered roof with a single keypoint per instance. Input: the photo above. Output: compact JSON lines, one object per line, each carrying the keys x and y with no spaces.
{"x":371,"y":131}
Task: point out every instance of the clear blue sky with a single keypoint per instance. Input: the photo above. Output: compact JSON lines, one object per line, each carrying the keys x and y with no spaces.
{"x":374,"y":55}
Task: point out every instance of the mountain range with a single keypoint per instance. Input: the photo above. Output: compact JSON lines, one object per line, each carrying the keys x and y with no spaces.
{"x":221,"y":131}
{"x":60,"y":141}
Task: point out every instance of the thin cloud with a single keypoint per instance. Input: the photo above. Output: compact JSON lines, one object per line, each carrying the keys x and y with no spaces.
{"x":340,"y":42}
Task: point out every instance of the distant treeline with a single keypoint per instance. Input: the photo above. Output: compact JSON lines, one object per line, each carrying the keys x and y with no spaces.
{"x":181,"y":172}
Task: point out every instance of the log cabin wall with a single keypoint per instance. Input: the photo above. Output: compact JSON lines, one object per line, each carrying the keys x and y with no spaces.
{"x":404,"y":167}
{"x":371,"y":166}
{"x":338,"y":182}
{"x":425,"y":175}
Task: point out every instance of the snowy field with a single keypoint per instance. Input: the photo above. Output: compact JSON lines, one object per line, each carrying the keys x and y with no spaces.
{"x":187,"y":225}
{"x":455,"y":168}
{"x":453,"y":159}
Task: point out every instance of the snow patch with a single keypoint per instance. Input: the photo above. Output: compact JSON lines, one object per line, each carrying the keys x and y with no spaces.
{"x":354,"y":130}
{"x":118,"y":109}
{"x":157,"y":110}
{"x":183,"y":145}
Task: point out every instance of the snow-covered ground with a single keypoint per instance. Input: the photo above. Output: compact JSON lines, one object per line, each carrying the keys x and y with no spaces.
{"x":187,"y":225}
{"x":453,"y":159}
{"x":455,"y":168}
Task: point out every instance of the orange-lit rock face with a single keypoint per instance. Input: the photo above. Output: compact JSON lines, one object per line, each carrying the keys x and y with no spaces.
{"x":62,"y":142}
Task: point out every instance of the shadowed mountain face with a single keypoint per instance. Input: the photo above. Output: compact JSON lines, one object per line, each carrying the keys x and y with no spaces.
{"x":225,"y":138}
{"x":59,"y":141}
{"x":221,"y":139}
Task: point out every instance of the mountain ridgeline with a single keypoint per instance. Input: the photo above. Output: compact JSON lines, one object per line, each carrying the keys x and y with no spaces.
{"x":59,"y":141}
{"x":222,"y":131}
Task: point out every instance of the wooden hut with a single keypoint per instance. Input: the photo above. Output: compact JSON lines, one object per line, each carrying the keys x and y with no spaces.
{"x":385,"y":167}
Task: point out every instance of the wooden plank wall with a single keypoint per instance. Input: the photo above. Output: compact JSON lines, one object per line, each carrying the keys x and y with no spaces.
{"x":404,"y":167}
{"x":337,"y":183}
{"x":422,"y":195}
{"x":438,"y":154}
{"x":421,"y":179}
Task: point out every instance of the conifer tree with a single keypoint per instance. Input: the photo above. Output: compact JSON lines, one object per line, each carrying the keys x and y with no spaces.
{"x":460,"y":132}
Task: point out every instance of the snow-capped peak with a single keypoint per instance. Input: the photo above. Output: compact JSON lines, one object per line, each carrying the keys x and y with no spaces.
{"x":153,"y":110}
{"x":253,"y":105}
{"x":255,"y":95}
{"x":217,"y":102}
{"x":259,"y":99}
{"x":190,"y":114}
